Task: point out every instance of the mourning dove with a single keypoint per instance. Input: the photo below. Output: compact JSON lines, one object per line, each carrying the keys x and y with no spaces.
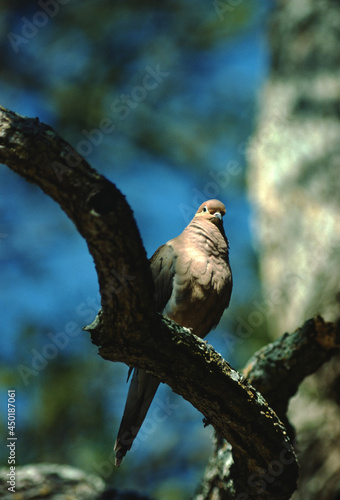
{"x":193,"y":284}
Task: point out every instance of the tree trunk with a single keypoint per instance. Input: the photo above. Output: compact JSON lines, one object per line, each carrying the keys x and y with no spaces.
{"x":294,"y":183}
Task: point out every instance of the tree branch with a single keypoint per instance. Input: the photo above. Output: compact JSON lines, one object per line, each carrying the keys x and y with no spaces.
{"x":278,"y":368}
{"x":276,"y":371}
{"x":128,"y":329}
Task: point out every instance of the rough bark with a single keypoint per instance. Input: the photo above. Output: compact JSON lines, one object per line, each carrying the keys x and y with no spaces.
{"x":276,"y":371}
{"x":129,"y":330}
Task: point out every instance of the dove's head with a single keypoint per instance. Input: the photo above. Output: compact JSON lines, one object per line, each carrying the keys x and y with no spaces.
{"x":211,"y":210}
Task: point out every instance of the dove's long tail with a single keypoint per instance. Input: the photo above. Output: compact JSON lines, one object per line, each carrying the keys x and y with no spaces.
{"x":142,"y":389}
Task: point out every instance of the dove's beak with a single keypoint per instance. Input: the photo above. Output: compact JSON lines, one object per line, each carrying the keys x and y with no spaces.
{"x":218,"y":215}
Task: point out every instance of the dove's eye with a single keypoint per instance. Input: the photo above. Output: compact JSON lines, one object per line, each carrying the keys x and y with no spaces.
{"x":205,"y":209}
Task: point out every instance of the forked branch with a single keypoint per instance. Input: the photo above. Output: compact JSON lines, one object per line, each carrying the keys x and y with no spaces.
{"x":129,"y":330}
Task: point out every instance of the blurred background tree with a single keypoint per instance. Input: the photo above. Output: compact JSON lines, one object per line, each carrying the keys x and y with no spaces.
{"x":161,"y":98}
{"x":294,"y":185}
